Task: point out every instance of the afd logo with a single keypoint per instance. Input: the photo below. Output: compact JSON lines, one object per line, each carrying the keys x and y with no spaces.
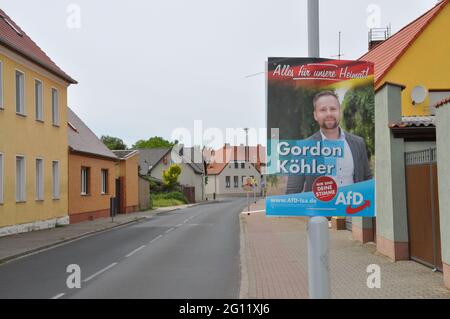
{"x":354,"y":201}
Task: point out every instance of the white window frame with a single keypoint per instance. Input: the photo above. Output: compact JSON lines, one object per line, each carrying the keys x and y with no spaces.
{"x":21,"y":181}
{"x":39,"y":179}
{"x":2,"y":177}
{"x":85,"y":172}
{"x":1,"y":85}
{"x":39,"y":109}
{"x":55,"y":107}
{"x":56,"y":191}
{"x":22,"y":109}
{"x":104,"y":176}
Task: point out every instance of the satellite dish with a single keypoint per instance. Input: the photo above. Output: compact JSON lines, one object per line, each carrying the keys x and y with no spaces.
{"x":419,"y":94}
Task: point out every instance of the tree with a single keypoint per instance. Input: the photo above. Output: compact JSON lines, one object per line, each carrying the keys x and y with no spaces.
{"x":170,"y":176}
{"x":153,"y":142}
{"x":358,"y":116}
{"x":113,"y":143}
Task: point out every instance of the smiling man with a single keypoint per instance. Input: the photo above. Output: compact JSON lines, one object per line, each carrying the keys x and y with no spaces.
{"x":354,"y":166}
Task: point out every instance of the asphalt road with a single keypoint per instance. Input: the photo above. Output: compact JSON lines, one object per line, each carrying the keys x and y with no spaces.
{"x":188,"y":253}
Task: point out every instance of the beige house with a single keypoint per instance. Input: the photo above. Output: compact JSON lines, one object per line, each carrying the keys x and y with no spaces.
{"x":229,"y":167}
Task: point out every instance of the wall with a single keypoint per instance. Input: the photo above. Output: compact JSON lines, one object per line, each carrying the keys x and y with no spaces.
{"x":424,"y":63}
{"x":23,"y":135}
{"x":128,"y":170}
{"x":144,"y":194}
{"x":95,"y":204}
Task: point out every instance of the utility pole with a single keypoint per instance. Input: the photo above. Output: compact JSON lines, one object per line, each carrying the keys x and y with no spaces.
{"x":318,"y":234}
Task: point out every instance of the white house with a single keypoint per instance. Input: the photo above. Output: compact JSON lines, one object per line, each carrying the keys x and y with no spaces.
{"x":229,"y":167}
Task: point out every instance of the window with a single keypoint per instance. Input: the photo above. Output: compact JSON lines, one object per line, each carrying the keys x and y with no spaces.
{"x":227,"y":182}
{"x":20,"y":179}
{"x":55,"y":107}
{"x":1,"y":178}
{"x":1,"y":84}
{"x":236,"y":165}
{"x":20,"y":93}
{"x":236,"y":181}
{"x":104,"y":181}
{"x":39,"y":179}
{"x":242,"y":165}
{"x":84,"y":180}
{"x":55,"y":179}
{"x":38,"y":100}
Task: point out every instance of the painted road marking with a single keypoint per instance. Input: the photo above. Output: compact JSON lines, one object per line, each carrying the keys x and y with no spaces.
{"x":58,"y":296}
{"x":169,"y":230}
{"x":100,"y":272}
{"x":135,"y":251}
{"x":155,"y":239}
{"x":179,"y":225}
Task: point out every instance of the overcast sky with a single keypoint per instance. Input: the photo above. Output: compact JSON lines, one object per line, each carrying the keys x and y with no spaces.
{"x":147,"y":67}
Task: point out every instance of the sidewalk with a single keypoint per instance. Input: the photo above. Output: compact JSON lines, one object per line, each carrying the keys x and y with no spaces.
{"x":274,"y":264}
{"x":25,"y":243}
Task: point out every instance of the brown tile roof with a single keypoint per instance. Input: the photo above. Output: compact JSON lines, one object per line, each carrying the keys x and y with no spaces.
{"x":221,"y":157}
{"x":442,"y":102}
{"x":386,"y":54}
{"x":82,"y":139}
{"x":414,"y":121}
{"x":14,"y":38}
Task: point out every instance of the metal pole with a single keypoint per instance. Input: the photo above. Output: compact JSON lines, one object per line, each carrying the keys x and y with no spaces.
{"x":313,"y":29}
{"x":248,"y":203}
{"x":318,"y":236}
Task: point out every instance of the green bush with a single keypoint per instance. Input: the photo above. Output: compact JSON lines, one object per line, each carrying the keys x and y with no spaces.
{"x":168,"y":199}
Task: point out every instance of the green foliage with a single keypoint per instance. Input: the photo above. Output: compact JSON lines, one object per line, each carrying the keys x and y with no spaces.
{"x":291,"y":110}
{"x":168,"y":199}
{"x":153,"y":142}
{"x":113,"y":143}
{"x":272,"y":180}
{"x":170,"y":176}
{"x":358,"y":114}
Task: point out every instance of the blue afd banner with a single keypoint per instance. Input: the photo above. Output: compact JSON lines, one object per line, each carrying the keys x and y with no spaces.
{"x":320,"y":137}
{"x":355,"y":200}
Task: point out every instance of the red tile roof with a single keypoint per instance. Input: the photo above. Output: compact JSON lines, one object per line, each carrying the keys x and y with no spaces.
{"x":386,"y":54}
{"x":442,"y":102}
{"x":414,"y":121}
{"x":221,"y":157}
{"x":14,"y":38}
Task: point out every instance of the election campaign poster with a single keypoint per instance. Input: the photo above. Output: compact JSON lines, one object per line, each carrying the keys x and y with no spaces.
{"x":321,"y":137}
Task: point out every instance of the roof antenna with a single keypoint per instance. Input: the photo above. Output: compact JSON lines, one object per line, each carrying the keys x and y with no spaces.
{"x":339,"y":54}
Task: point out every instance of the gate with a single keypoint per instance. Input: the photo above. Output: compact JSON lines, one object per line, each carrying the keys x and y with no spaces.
{"x":423,"y":208}
{"x":189,"y":192}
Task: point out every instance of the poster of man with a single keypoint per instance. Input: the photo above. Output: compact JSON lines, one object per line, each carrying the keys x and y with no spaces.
{"x":321,"y":137}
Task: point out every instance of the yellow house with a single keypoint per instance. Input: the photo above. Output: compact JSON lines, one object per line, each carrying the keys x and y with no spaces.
{"x":416,"y":57}
{"x":33,"y":134}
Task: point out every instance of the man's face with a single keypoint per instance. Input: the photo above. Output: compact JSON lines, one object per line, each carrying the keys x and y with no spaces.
{"x":327,"y":112}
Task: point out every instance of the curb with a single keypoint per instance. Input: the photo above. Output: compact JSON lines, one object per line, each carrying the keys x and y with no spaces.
{"x":243,"y":286}
{"x":75,"y":238}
